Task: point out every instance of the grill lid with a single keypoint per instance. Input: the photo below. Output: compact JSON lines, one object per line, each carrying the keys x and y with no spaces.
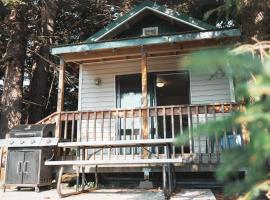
{"x":36,"y":135}
{"x":33,"y":130}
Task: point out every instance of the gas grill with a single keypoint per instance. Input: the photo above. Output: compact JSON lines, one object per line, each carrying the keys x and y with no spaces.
{"x":28,"y":147}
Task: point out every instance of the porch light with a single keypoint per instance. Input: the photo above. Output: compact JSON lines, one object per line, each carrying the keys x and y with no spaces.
{"x":160,"y":83}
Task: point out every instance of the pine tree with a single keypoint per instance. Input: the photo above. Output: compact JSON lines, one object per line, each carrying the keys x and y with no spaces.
{"x":249,"y":66}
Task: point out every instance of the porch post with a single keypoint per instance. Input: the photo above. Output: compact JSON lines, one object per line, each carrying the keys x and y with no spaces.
{"x":60,"y":98}
{"x":61,"y":85}
{"x":144,"y":99}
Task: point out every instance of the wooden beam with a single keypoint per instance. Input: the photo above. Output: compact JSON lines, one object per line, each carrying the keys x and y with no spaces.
{"x":144,"y":79}
{"x":61,"y":85}
{"x":145,"y":153}
{"x":121,"y":53}
{"x":60,"y":98}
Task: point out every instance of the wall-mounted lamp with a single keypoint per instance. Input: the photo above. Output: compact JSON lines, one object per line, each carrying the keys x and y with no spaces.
{"x":97,"y":81}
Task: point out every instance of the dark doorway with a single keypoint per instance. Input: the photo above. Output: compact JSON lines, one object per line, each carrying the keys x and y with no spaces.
{"x":172,"y":88}
{"x":164,"y":88}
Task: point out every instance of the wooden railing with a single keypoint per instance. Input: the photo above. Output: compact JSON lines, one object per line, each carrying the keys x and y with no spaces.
{"x":163,"y":122}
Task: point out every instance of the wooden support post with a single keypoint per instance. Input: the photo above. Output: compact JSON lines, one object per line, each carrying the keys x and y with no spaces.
{"x":1,"y":158}
{"x":60,"y":99}
{"x":145,"y":153}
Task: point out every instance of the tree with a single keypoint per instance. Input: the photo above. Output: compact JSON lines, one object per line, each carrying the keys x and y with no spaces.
{"x":251,"y":16}
{"x":41,"y":68}
{"x":249,"y":65}
{"x":11,"y":101}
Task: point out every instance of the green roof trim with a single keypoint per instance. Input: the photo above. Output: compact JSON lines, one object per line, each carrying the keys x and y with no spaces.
{"x":146,"y":41}
{"x":156,"y":8}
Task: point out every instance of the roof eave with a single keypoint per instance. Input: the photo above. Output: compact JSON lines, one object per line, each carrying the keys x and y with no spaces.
{"x":214,"y":34}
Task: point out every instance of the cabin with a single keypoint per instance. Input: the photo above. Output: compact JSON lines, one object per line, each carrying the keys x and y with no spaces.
{"x":132,"y":86}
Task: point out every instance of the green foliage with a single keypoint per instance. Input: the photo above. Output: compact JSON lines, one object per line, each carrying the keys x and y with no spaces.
{"x":251,"y":73}
{"x":12,"y":2}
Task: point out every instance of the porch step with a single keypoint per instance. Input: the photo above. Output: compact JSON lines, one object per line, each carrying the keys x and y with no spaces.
{"x":194,"y":194}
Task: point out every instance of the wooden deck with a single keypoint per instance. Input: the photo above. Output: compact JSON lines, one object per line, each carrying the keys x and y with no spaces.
{"x":163,"y":123}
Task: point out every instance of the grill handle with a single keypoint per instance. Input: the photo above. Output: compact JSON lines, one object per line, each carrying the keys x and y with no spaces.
{"x":25,"y":164}
{"x":19,"y":167}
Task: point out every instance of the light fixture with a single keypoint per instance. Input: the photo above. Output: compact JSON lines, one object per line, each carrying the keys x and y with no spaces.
{"x":160,"y":83}
{"x":97,"y":81}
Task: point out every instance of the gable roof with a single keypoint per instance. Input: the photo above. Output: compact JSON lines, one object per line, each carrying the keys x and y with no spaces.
{"x":154,"y":7}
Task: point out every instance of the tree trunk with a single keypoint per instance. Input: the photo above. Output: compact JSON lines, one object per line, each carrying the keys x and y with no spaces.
{"x":39,"y":87}
{"x":11,"y":101}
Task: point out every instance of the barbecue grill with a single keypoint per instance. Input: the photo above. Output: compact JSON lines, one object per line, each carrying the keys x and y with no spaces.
{"x":28,"y":147}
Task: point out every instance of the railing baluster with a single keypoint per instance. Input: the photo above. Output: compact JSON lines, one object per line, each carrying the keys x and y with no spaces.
{"x":164,"y":124}
{"x":110,"y":133}
{"x":156,"y":131}
{"x":116,"y":150}
{"x":132,"y":131}
{"x":102,"y":132}
{"x":87,"y":132}
{"x":224,"y":131}
{"x":80,"y":128}
{"x":141,"y":123}
{"x":72,"y":128}
{"x":94,"y":126}
{"x":233,"y":128}
{"x":65,"y":130}
{"x":164,"y":129}
{"x":87,"y":127}
{"x":207,"y":137}
{"x":66,"y":126}
{"x":181,"y":128}
{"x":149,"y":124}
{"x":189,"y":130}
{"x":94,"y":131}
{"x":125,"y":132}
{"x":199,"y":138}
{"x":173,"y":131}
{"x":216,"y":138}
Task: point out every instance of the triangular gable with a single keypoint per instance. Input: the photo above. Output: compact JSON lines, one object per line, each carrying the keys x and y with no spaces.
{"x":154,"y":7}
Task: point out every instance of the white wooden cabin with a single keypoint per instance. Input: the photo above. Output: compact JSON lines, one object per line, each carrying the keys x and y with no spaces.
{"x":132,"y":85}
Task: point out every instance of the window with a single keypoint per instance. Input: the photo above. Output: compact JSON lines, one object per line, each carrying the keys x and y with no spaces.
{"x":150,"y":31}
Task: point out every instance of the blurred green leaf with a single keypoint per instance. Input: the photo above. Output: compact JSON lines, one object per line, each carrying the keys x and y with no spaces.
{"x":252,"y":77}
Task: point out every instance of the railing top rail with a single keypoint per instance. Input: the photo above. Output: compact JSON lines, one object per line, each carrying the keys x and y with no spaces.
{"x":119,"y":143}
{"x":47,"y":118}
{"x":155,"y":107}
{"x":114,"y":162}
{"x":156,"y":110}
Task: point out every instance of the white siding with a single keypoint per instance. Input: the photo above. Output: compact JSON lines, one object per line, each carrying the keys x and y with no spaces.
{"x":92,"y":97}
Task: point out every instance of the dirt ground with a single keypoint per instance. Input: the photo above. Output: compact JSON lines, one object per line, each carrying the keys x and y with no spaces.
{"x":103,"y":194}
